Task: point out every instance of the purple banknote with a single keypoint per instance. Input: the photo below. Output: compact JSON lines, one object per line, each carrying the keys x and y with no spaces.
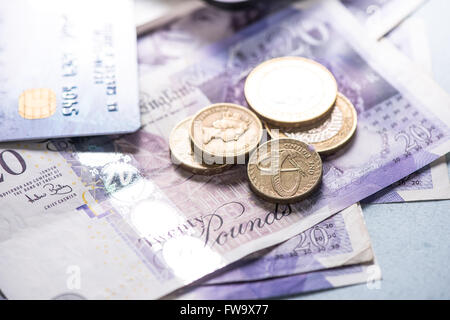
{"x":135,"y":225}
{"x":404,"y":131}
{"x":174,"y":43}
{"x":431,"y":182}
{"x":287,"y":286}
{"x":340,"y":240}
{"x":399,"y":139}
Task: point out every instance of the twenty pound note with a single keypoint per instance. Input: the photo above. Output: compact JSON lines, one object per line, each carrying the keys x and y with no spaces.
{"x":431,"y":182}
{"x":142,"y":227}
{"x":174,"y":43}
{"x":398,"y":122}
{"x":402,"y":122}
{"x":340,"y":240}
{"x":369,"y":273}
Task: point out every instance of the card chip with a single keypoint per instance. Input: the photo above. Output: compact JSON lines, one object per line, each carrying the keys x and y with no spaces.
{"x":37,"y":103}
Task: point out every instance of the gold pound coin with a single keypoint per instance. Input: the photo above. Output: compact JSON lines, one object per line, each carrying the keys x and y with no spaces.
{"x":290,"y":91}
{"x":182,"y":154}
{"x":224,"y":133}
{"x":330,"y":134}
{"x":37,"y":103}
{"x":284,"y":170}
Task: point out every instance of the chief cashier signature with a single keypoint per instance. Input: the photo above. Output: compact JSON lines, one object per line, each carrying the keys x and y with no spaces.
{"x":52,"y":190}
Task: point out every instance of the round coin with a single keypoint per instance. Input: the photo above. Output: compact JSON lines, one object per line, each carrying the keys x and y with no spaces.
{"x":284,"y":170}
{"x":182,"y":154}
{"x":290,"y":91}
{"x":225,"y":132}
{"x":330,"y":134}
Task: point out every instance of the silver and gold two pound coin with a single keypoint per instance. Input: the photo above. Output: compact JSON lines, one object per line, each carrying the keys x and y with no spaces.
{"x":284,"y":170}
{"x":328,"y":135}
{"x":290,"y":91}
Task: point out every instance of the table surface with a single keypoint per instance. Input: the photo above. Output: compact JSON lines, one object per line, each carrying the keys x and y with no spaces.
{"x":411,"y":240}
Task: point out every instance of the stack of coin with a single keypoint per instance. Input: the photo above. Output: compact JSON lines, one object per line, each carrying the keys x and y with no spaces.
{"x":183,"y":155}
{"x":298,"y":99}
{"x":216,"y":137}
{"x":304,"y":114}
{"x":328,"y":134}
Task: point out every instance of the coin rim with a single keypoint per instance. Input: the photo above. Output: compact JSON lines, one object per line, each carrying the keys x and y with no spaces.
{"x":336,"y":147}
{"x":227,"y":156}
{"x":291,"y":199}
{"x":209,"y":170}
{"x":295,"y":123}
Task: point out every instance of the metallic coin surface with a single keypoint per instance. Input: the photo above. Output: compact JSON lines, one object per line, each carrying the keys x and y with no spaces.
{"x":284,"y":170}
{"x":37,"y":103}
{"x":290,"y":91}
{"x":182,"y":154}
{"x":225,"y":131}
{"x":328,"y":135}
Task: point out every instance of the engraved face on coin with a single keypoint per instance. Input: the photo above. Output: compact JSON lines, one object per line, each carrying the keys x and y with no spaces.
{"x":290,"y":91}
{"x":37,"y":103}
{"x":225,"y":131}
{"x":328,"y":135}
{"x":182,"y":154}
{"x":284,"y":170}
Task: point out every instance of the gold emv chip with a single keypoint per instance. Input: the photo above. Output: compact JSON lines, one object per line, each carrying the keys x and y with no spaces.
{"x":37,"y":103}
